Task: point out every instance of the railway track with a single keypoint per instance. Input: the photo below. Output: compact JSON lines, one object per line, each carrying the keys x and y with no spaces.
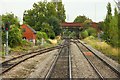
{"x":9,"y":64}
{"x":102,"y":68}
{"x":61,"y":67}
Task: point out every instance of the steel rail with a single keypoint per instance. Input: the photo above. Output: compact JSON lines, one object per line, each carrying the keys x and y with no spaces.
{"x":70,"y":64}
{"x":27,"y":54}
{"x":47,"y":76}
{"x":96,"y":70}
{"x":53,"y":64}
{"x":44,"y":51}
{"x":115,"y":70}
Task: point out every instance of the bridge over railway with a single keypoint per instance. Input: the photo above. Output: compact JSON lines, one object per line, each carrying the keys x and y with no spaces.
{"x":71,"y":26}
{"x":76,"y":27}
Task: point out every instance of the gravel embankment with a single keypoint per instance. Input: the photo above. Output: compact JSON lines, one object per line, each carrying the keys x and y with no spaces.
{"x":80,"y":67}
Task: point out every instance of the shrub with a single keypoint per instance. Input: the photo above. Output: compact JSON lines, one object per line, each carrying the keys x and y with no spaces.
{"x":72,"y":35}
{"x":92,"y":37}
{"x":52,"y":35}
{"x":48,"y":30}
{"x":92,"y":32}
{"x":45,"y":35}
{"x":41,"y":35}
{"x":26,"y":43}
{"x":84,"y":34}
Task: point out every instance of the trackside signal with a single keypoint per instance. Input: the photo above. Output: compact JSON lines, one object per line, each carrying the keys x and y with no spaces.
{"x":7,"y":26}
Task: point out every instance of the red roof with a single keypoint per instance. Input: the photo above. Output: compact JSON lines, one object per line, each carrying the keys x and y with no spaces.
{"x":71,"y":24}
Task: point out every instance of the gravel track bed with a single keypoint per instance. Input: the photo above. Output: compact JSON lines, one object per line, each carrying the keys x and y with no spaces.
{"x":80,"y":67}
{"x":43,"y":67}
{"x":101,"y":66}
{"x":24,"y":69}
{"x":103,"y":69}
{"x":60,"y":69}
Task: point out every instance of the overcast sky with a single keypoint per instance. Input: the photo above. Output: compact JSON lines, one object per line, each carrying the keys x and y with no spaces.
{"x":94,"y":9}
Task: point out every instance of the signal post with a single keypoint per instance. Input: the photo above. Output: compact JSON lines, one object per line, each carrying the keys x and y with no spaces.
{"x":7,"y":25}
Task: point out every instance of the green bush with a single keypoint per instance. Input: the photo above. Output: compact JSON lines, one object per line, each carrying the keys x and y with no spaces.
{"x":52,"y":35}
{"x":92,"y":32}
{"x":84,"y":34}
{"x":41,"y":35}
{"x":26,"y":43}
{"x":92,"y":37}
{"x":45,"y":35}
{"x":72,"y":35}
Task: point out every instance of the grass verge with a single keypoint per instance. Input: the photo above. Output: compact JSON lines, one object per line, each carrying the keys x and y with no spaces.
{"x":29,"y":47}
{"x":103,"y":47}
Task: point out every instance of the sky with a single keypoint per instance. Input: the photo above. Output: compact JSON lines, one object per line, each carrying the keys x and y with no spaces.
{"x":93,"y":9}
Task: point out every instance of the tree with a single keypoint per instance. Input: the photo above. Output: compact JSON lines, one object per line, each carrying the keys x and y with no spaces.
{"x":60,"y":11}
{"x":84,"y":34}
{"x":80,"y":19}
{"x":100,"y":25}
{"x":84,"y":20}
{"x":111,"y":27}
{"x":15,"y":36}
{"x":119,"y":29}
{"x":113,"y":30}
{"x":41,"y":12}
{"x":55,"y":23}
{"x":106,"y":23}
{"x":36,"y":16}
{"x":51,"y":10}
{"x":92,"y":31}
{"x":48,"y":30}
{"x":72,"y":34}
{"x":45,"y":12}
{"x":41,"y":35}
{"x":11,"y":18}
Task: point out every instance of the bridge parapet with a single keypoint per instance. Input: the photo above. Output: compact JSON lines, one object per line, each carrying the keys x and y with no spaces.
{"x":71,"y":25}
